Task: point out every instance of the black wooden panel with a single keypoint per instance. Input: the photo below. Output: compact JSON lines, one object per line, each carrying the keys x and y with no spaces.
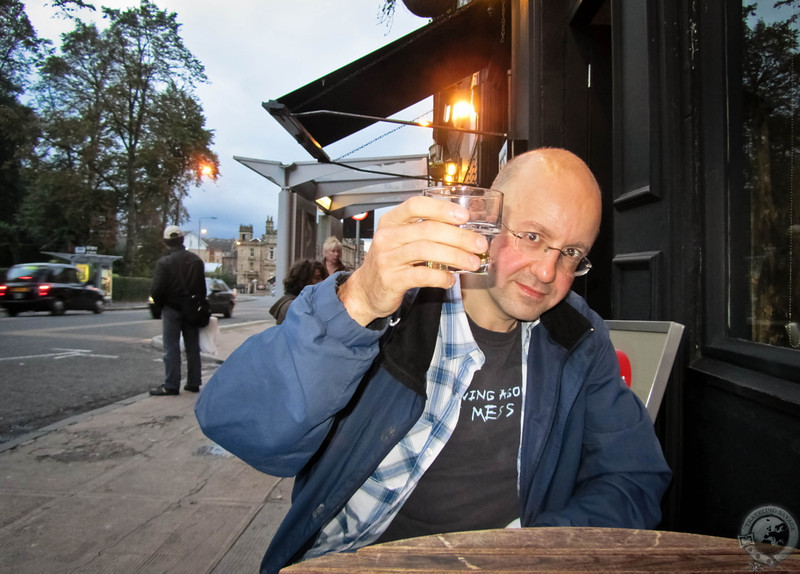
{"x":638,"y":285}
{"x":641,"y":216}
{"x":632,"y":134}
{"x":634,"y":198}
{"x":742,"y":454}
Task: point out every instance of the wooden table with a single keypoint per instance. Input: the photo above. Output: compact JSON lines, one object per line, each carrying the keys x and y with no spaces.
{"x":547,"y":550}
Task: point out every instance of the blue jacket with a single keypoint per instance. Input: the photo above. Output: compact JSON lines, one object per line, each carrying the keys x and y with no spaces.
{"x":324,"y":400}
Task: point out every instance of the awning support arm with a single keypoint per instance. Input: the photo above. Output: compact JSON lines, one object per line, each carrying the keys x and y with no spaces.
{"x":418,"y":124}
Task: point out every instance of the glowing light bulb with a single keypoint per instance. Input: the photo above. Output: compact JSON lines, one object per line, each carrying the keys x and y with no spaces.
{"x":463,"y":110}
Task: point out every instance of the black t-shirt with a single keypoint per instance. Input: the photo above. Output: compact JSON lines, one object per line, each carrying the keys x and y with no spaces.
{"x":472,"y":484}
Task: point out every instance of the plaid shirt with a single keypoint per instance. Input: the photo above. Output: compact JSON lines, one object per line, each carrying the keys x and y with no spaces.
{"x":371,"y":509}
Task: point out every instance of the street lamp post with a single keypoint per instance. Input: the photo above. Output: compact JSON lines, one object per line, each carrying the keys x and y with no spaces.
{"x":358,"y":218}
{"x":200,"y":230}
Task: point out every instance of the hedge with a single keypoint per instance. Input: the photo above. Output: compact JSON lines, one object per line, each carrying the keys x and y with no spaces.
{"x":127,"y":289}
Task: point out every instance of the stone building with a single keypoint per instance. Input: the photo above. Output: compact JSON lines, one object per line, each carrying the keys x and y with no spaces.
{"x":255,"y":258}
{"x":222,"y":252}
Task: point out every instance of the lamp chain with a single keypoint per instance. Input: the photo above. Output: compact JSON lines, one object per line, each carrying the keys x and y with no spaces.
{"x":503,"y":22}
{"x":791,"y":327}
{"x":372,"y":141}
{"x":791,"y":191}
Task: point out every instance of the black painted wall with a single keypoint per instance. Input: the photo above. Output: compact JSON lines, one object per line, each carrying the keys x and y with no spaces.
{"x":730,"y":434}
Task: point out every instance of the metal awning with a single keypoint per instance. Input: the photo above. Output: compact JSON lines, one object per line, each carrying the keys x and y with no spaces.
{"x":90,"y":258}
{"x":391,"y":78}
{"x":353,"y":186}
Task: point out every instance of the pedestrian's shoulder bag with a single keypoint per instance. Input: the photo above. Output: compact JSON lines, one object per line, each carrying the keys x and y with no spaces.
{"x":194,"y":308}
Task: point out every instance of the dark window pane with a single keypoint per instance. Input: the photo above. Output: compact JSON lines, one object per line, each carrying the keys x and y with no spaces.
{"x":765,"y":208}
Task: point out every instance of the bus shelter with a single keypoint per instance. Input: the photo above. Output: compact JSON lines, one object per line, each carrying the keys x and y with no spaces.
{"x":93,"y":268}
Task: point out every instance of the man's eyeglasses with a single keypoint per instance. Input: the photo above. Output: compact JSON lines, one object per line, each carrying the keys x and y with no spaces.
{"x":530,"y":244}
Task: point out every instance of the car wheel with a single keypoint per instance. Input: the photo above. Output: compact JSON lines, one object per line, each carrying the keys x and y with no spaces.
{"x":58,"y":307}
{"x":228,"y":311}
{"x":99,"y":306}
{"x":155,"y":314}
{"x":12,"y":312}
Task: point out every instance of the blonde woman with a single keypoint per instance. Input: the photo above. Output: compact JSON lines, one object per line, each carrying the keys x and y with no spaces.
{"x":332,"y":255}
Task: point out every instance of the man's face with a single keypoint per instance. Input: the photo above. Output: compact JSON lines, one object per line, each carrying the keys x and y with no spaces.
{"x":564,"y":209}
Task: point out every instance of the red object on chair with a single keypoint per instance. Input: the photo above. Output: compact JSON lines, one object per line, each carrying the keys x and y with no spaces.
{"x":624,"y":366}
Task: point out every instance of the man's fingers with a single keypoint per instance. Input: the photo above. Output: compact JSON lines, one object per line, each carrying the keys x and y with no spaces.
{"x":422,"y":252}
{"x":423,"y":240}
{"x":419,"y":230}
{"x":420,"y":207}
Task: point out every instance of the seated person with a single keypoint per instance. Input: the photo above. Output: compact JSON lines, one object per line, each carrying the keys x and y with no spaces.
{"x":302,"y":274}
{"x":408,"y":401}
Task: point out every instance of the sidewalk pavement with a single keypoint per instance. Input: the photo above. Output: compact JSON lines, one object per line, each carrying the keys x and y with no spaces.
{"x":136,"y":487}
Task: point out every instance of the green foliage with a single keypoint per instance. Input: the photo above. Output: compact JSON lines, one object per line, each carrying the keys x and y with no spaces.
{"x":149,"y":56}
{"x":123,"y":135}
{"x":20,"y":51}
{"x":18,"y":133}
{"x":228,"y":278}
{"x":20,"y":48}
{"x":130,"y":289}
{"x":175,"y":145}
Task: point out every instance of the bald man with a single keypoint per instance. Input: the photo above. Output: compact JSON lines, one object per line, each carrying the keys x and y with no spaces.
{"x":408,"y":401}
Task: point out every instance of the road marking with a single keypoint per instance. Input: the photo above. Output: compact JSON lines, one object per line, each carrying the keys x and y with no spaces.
{"x":84,"y":326}
{"x":61,"y":354}
{"x":107,"y":338}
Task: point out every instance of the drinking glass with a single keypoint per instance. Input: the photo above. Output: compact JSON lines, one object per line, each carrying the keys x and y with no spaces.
{"x":485,"y":214}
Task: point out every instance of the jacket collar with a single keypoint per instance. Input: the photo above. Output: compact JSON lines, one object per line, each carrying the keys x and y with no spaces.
{"x":565,"y":324}
{"x":407,"y":348}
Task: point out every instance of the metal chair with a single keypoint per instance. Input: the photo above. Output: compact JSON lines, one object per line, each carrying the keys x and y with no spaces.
{"x":646,"y":350}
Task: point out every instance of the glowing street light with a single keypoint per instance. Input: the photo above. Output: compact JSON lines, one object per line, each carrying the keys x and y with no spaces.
{"x":463,"y":110}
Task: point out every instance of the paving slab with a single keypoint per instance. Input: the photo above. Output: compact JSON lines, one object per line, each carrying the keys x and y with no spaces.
{"x":135,"y":487}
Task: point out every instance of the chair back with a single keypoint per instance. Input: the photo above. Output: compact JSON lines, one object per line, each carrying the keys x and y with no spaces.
{"x":650,"y":348}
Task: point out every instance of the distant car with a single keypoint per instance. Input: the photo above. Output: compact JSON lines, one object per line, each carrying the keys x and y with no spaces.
{"x":52,"y":287}
{"x":221,"y":299}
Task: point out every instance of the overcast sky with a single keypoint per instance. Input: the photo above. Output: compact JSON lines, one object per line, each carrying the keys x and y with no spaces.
{"x":255,"y":51}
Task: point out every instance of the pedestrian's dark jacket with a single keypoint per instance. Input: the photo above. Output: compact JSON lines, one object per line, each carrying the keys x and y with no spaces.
{"x":168,"y":288}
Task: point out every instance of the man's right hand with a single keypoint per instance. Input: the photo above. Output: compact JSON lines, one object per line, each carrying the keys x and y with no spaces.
{"x":419,"y":230}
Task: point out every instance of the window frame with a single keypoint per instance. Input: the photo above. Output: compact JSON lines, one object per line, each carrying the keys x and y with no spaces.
{"x":719,"y":24}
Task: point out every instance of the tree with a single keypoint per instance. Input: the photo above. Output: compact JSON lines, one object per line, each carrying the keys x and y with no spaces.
{"x":123,"y":134}
{"x":76,"y":168}
{"x":148,"y":55}
{"x":175,"y":148}
{"x":20,"y":49}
